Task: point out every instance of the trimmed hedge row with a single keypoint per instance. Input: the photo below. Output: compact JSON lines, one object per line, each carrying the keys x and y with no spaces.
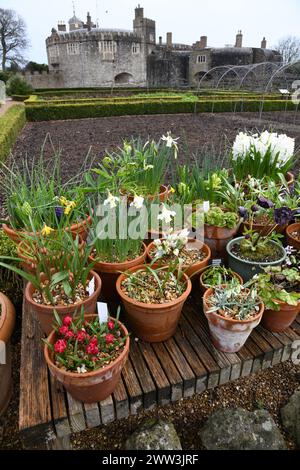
{"x":11,"y":123}
{"x":81,"y":111}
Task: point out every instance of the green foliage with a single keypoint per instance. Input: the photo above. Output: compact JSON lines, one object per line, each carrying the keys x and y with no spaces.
{"x":5,"y":76}
{"x":217,"y":275}
{"x":35,"y":67}
{"x":10,"y":283}
{"x":17,"y":86}
{"x":219,"y":218}
{"x":11,"y":123}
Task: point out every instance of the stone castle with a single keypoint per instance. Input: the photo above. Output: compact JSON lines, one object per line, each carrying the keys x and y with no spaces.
{"x":89,"y":56}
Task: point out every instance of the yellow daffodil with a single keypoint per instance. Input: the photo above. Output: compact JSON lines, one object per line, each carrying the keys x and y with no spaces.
{"x":63,"y":201}
{"x":69,"y":207}
{"x":172,"y":190}
{"x":47,"y":230}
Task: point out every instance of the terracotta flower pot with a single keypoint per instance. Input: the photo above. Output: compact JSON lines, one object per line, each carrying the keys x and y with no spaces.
{"x":7,"y":323}
{"x":82,"y":229}
{"x":44,"y":313}
{"x":156,"y":234}
{"x":280,"y":320}
{"x":204,"y":287}
{"x":217,"y":238}
{"x":229,"y":335}
{"x":153,"y":322}
{"x":93,"y":386}
{"x":291,"y":240}
{"x":188,"y":270}
{"x":261,"y":228}
{"x":162,"y":196}
{"x":109,"y":273}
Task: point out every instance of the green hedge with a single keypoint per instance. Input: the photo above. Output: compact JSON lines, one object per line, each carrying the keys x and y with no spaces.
{"x":80,"y":111}
{"x":11,"y":123}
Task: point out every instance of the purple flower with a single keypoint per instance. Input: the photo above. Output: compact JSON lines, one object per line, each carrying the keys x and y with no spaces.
{"x":243,"y":212}
{"x":59,"y":211}
{"x":292,"y":189}
{"x":283,"y":215}
{"x":264,"y":202}
{"x":255,"y":208}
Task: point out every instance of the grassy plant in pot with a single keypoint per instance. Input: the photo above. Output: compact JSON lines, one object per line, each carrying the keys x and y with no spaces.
{"x":36,"y":196}
{"x":232,"y":311}
{"x":66,"y":284}
{"x":115,"y":248}
{"x":7,"y":322}
{"x":216,"y":276}
{"x":279,"y":289}
{"x":87,"y":357}
{"x":153,"y":300}
{"x":194,"y":254}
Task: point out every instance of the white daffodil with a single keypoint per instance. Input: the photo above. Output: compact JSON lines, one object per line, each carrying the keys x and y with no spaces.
{"x":137,"y":202}
{"x":166,"y":215}
{"x":171,"y":143}
{"x":82,"y":369}
{"x":111,"y":201}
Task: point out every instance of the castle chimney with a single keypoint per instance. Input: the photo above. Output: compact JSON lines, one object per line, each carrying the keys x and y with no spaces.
{"x":264,"y":43}
{"x":169,"y":40}
{"x":89,"y":21}
{"x":62,"y":27}
{"x":160,"y":40}
{"x":239,"y":39}
{"x":203,"y":42}
{"x":139,"y":12}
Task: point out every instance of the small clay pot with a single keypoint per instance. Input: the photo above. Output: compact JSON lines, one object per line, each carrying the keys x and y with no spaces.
{"x":292,"y":241}
{"x":153,"y":323}
{"x":7,"y":323}
{"x":217,"y":238}
{"x":228,"y":335}
{"x":279,"y":320}
{"x":109,"y":273}
{"x":44,"y":313}
{"x":205,"y":287}
{"x":191,"y":270}
{"x":93,"y":386}
{"x":162,"y":196}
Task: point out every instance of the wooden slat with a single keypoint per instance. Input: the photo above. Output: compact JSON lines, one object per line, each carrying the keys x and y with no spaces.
{"x":246,"y":361}
{"x":189,"y":379}
{"x":265,"y":347}
{"x":76,"y":414}
{"x":35,"y":418}
{"x":59,"y":409}
{"x":92,"y":415}
{"x":159,"y":377}
{"x":275,"y":344}
{"x":144,"y":376}
{"x":121,"y":401}
{"x":107,"y":410}
{"x":170,"y":370}
{"x":133,"y":388}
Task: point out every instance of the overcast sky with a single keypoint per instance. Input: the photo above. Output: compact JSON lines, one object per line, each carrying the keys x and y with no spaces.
{"x":187,"y":19}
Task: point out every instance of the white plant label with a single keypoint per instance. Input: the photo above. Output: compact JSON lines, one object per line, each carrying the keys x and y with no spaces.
{"x":91,"y":286}
{"x":102,"y":312}
{"x":206,"y":206}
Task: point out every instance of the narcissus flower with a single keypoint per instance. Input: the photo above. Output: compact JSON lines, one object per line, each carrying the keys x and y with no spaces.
{"x":137,"y":202}
{"x":171,"y":143}
{"x":60,"y":346}
{"x":47,"y":230}
{"x":111,"y":201}
{"x":166,"y":215}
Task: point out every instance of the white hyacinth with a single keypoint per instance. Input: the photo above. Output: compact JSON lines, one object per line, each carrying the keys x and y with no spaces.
{"x":166,"y":215}
{"x":137,"y":202}
{"x":111,"y":201}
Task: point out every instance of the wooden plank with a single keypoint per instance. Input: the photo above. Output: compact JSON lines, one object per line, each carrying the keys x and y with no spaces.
{"x":193,"y":360}
{"x":265,"y":347}
{"x":59,"y":409}
{"x":159,"y":377}
{"x":274,"y":342}
{"x":288,"y":337}
{"x":170,"y":370}
{"x":35,"y":418}
{"x":107,"y":410}
{"x":121,"y":401}
{"x":246,"y":361}
{"x":203,"y":354}
{"x":92,"y":415}
{"x":133,"y":388}
{"x":76,"y":414}
{"x":189,"y":380}
{"x":144,"y":377}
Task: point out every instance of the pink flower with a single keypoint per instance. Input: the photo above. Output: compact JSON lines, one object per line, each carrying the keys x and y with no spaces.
{"x":94,"y":340}
{"x":69,"y":335}
{"x":109,"y":338}
{"x":81,"y":335}
{"x":67,"y":321}
{"x":111,"y":325}
{"x":63,"y":330}
{"x":60,"y":346}
{"x":92,"y":349}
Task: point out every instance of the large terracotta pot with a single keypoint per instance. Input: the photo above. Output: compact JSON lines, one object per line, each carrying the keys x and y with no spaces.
{"x":153,"y":322}
{"x":93,"y":386}
{"x":191,"y":270}
{"x":7,"y":323}
{"x":205,"y":287}
{"x":44,"y":313}
{"x":109,"y":273}
{"x":229,"y":335}
{"x":162,"y":196}
{"x":82,"y":229}
{"x":291,"y":240}
{"x":217,"y":238}
{"x":280,"y":320}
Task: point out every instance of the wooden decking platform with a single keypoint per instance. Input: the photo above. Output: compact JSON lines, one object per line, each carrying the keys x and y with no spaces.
{"x":155,"y":374}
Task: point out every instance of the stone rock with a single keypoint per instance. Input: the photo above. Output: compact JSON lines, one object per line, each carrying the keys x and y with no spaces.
{"x":238,"y":429}
{"x":154,"y":435}
{"x":290,"y":417}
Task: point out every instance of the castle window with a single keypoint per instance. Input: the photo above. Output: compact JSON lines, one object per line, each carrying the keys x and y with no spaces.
{"x":108,"y":46}
{"x":201,"y":59}
{"x":53,"y":52}
{"x":135,"y":48}
{"x":73,"y":48}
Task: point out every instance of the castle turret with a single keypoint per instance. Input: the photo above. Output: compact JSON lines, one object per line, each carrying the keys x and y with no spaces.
{"x":264,"y":43}
{"x":144,"y":27}
{"x":75,"y":23}
{"x":203,"y":42}
{"x":239,"y":40}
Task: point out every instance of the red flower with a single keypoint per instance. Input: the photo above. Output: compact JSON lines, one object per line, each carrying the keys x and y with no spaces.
{"x":111,"y":325}
{"x":67,"y":321}
{"x":92,"y":349}
{"x":63,"y":330}
{"x":60,"y":346}
{"x":69,"y":335}
{"x":109,"y":338}
{"x":94,"y":340}
{"x":81,"y":335}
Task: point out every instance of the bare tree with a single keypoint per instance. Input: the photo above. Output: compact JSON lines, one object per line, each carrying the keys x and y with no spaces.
{"x":13,"y":37}
{"x":289,"y":48}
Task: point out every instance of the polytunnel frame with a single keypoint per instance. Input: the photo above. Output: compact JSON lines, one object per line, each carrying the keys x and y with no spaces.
{"x":277,"y":72}
{"x":212,"y":70}
{"x":233,"y":69}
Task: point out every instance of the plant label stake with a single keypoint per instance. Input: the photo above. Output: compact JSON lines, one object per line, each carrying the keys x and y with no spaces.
{"x":102,"y":312}
{"x":206,"y":206}
{"x":91,"y":286}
